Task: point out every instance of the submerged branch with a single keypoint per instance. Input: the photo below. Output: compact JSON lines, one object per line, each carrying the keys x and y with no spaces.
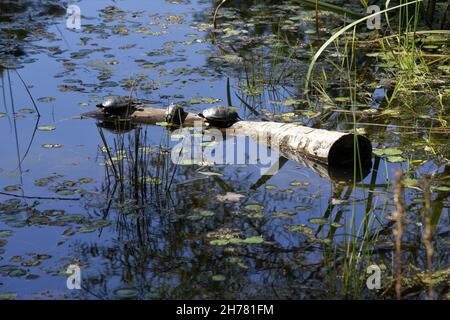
{"x":37,"y":197}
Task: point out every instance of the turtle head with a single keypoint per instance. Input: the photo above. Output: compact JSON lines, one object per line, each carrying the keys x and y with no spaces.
{"x":175,"y":114}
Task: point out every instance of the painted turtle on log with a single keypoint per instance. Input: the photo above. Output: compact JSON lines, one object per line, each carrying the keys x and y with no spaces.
{"x":175,"y":114}
{"x":220,"y":117}
{"x":118,"y":105}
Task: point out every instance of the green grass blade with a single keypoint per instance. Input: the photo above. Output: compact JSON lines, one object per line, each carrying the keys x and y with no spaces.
{"x":342,"y":31}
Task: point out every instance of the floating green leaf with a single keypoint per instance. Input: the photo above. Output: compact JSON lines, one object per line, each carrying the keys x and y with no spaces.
{"x":395,"y":159}
{"x":27,"y":111}
{"x":6,"y":233}
{"x":13,"y":187}
{"x":69,"y":218}
{"x":254,"y":207}
{"x":301,"y":228}
{"x":85,"y":230}
{"x":318,"y":221}
{"x":206,"y":213}
{"x":85,"y":180}
{"x":126,"y":293}
{"x":218,"y":277}
{"x":51,"y":145}
{"x":194,"y":217}
{"x":387,"y":152}
{"x":46,"y":99}
{"x":46,"y":128}
{"x":253,"y":240}
{"x":17,"y":273}
{"x":8,"y":296}
{"x":441,"y":188}
{"x":219,"y":242}
{"x":210,"y":173}
{"x":100,"y":223}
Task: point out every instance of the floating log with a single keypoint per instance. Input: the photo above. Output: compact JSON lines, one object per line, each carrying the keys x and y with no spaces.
{"x":147,"y":115}
{"x":328,"y":147}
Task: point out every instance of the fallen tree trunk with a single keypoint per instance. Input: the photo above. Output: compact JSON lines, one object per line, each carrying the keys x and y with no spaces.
{"x":329,"y":147}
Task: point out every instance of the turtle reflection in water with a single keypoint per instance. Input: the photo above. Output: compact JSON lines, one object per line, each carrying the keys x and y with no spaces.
{"x":118,"y":105}
{"x":220,"y":117}
{"x":116,"y":126}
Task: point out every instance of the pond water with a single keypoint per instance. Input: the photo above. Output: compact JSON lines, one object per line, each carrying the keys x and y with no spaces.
{"x":201,"y":231}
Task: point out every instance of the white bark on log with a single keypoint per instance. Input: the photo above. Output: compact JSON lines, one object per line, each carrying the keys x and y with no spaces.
{"x":329,"y":147}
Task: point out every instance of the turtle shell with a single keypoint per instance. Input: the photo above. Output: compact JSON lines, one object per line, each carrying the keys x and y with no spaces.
{"x":221,"y":117}
{"x":117,"y":104}
{"x":175,"y":114}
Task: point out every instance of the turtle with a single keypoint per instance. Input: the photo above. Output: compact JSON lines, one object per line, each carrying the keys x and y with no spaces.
{"x":221,"y":117}
{"x":175,"y":114}
{"x":117,"y":105}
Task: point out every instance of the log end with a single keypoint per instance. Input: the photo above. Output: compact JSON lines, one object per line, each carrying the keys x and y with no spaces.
{"x":343,"y":151}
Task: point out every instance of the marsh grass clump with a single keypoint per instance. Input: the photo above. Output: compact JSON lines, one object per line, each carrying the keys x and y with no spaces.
{"x":136,"y":172}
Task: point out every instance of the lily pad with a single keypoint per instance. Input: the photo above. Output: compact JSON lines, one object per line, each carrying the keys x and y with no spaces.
{"x":8,"y":296}
{"x":318,"y":221}
{"x":46,"y":99}
{"x":441,"y":188}
{"x":206,"y":213}
{"x":336,"y":225}
{"x":301,"y":228}
{"x":298,"y":183}
{"x":194,"y":217}
{"x":218,"y":278}
{"x":85,"y":230}
{"x":52,"y":145}
{"x":6,"y":233}
{"x":219,"y":242}
{"x":27,"y":111}
{"x":387,"y":152}
{"x":100,"y":223}
{"x":254,"y":207}
{"x":46,"y":128}
{"x":126,"y":293}
{"x":253,"y":240}
{"x":395,"y":159}
{"x":31,"y":263}
{"x":85,"y":180}
{"x":17,"y":273}
{"x":13,"y":187}
{"x":230,"y":196}
{"x":71,"y":218}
